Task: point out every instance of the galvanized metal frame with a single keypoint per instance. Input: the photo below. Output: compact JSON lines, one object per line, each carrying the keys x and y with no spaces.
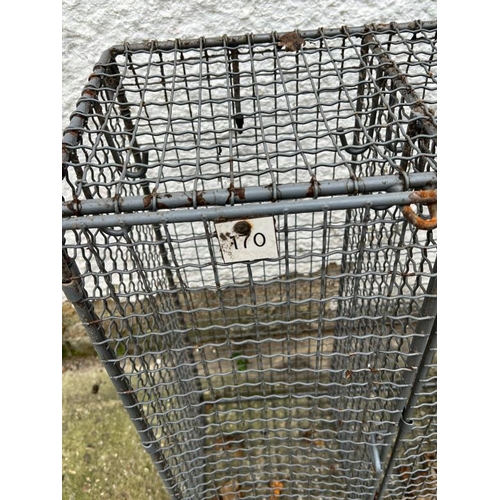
{"x":363,"y":399}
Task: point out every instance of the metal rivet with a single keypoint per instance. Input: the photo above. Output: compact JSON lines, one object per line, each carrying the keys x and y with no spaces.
{"x":243,"y":228}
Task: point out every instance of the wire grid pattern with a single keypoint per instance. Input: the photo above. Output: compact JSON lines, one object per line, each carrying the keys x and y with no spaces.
{"x":283,"y":377}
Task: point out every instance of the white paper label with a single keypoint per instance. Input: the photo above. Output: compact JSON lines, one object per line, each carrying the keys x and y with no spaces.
{"x":247,"y":239}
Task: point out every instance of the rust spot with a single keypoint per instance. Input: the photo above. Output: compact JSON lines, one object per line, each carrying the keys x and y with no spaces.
{"x":425,"y":196}
{"x":313,"y":186}
{"x":428,"y":197}
{"x":74,"y":206}
{"x":418,"y":221}
{"x":240,"y":193}
{"x":270,"y":187}
{"x":200,"y":200}
{"x":230,"y":189}
{"x":89,"y":92}
{"x":291,"y":41}
{"x":147,"y":200}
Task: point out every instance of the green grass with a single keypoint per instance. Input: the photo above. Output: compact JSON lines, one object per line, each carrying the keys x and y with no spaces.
{"x":102,"y":456}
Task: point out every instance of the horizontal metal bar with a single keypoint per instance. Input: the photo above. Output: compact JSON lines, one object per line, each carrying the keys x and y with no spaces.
{"x":251,"y":194}
{"x":375,"y":201}
{"x":232,"y":41}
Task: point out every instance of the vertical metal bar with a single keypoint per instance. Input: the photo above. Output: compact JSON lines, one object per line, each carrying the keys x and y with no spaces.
{"x":275,"y":99}
{"x":157,"y":402}
{"x":421,"y":352}
{"x":406,"y":415}
{"x":235,"y":80}
{"x":75,"y":293}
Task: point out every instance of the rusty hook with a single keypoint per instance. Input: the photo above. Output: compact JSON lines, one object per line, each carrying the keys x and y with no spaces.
{"x":426,"y":197}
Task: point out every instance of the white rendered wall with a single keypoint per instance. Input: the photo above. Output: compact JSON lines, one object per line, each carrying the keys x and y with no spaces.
{"x":91,"y":26}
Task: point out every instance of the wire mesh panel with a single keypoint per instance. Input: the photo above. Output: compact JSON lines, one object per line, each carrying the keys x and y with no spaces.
{"x":249,"y":237}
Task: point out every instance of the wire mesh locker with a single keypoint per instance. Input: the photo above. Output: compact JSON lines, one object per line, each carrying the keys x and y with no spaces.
{"x":249,"y":238}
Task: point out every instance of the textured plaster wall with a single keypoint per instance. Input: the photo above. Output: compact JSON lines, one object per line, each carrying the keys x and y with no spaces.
{"x":91,"y":26}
